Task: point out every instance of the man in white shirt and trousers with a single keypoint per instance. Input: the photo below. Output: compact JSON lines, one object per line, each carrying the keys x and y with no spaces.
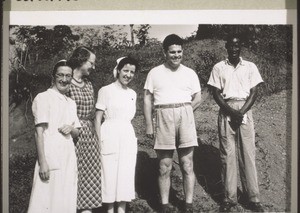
{"x":234,"y":84}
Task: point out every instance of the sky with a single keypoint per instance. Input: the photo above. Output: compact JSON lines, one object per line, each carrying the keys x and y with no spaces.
{"x":161,"y":31}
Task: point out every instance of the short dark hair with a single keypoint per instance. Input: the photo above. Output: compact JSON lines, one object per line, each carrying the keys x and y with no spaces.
{"x":231,"y":36}
{"x":127,"y":60}
{"x":61,"y":63}
{"x":79,"y":56}
{"x":171,"y":40}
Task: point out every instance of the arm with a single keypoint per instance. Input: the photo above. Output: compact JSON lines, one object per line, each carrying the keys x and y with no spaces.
{"x":39,"y":141}
{"x":250,"y":100}
{"x":196,"y":100}
{"x":69,"y":129}
{"x":148,"y":99}
{"x":98,"y":119}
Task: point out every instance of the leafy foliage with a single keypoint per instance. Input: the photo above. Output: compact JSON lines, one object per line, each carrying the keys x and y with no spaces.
{"x":142,"y":34}
{"x":269,"y":47}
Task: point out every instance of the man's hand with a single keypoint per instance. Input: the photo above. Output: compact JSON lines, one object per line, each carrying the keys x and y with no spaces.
{"x":234,"y":124}
{"x":236,"y":119}
{"x":236,"y":116}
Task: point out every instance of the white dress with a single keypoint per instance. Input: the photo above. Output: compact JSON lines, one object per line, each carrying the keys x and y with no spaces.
{"x":118,"y":145}
{"x":59,"y":193}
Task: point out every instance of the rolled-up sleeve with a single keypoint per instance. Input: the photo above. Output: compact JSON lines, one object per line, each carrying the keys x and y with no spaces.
{"x":255,"y":76}
{"x":149,"y":83}
{"x":195,"y":83}
{"x":214,"y":79}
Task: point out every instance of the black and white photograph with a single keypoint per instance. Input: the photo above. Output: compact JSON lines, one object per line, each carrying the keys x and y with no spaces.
{"x":126,"y":116}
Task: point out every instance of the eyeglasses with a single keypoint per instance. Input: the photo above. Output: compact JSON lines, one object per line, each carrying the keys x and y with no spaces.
{"x":61,"y":76}
{"x":92,"y":63}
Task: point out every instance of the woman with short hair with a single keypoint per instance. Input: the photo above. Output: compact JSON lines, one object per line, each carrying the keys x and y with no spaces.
{"x":54,"y":186}
{"x":87,"y":145}
{"x":116,"y":103}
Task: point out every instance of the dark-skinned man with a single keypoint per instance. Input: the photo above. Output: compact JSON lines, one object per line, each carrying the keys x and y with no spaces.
{"x":234,"y":84}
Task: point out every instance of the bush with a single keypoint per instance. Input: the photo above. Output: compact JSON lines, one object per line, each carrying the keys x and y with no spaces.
{"x":20,"y":182}
{"x":273,"y":62}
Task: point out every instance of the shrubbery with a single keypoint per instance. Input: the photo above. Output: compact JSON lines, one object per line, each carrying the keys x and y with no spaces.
{"x":272,"y":55}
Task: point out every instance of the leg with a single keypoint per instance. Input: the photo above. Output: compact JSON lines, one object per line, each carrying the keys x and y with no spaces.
{"x":247,"y":166}
{"x":186,"y":164}
{"x":110,"y":208}
{"x":228,"y":159}
{"x":248,"y":171}
{"x":165,"y":158}
{"x":121,"y":207}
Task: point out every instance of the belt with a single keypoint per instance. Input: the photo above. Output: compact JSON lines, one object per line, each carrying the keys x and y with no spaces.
{"x":163,"y":106}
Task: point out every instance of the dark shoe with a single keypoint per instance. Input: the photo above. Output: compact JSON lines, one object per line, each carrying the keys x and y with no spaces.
{"x":226,"y":206}
{"x":256,"y":207}
{"x":188,"y":208}
{"x":167,"y":208}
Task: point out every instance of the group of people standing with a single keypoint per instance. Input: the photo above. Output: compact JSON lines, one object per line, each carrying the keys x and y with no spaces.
{"x":87,"y":149}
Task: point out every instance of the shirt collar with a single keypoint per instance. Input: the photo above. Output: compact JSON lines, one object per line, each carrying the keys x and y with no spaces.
{"x":240,"y":63}
{"x":59,"y":95}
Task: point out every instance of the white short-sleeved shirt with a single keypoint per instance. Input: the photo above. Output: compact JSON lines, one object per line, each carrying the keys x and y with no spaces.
{"x":55,"y":109}
{"x":116,"y":102}
{"x":235,"y":82}
{"x":172,"y":86}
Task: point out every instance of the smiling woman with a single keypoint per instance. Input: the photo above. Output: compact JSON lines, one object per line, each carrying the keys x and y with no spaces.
{"x":56,"y":123}
{"x":117,"y":105}
{"x":87,"y":145}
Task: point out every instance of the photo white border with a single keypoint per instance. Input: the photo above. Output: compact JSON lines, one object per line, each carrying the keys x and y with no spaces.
{"x":178,"y":17}
{"x":153,"y":17}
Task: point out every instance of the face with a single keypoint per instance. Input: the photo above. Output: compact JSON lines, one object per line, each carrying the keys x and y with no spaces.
{"x":174,"y":55}
{"x":126,"y":74}
{"x":62,"y":79}
{"x":88,"y":66}
{"x":233,"y":49}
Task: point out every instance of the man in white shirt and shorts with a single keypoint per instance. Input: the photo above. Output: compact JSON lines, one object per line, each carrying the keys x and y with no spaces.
{"x":175,"y":91}
{"x":234,"y":84}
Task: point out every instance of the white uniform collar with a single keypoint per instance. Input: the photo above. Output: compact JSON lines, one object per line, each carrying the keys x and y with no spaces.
{"x":58,"y":94}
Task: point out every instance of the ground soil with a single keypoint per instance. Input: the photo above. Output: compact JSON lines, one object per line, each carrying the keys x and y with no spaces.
{"x":272,"y":116}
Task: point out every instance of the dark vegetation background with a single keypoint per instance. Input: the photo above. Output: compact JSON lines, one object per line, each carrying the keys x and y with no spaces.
{"x":35,"y":49}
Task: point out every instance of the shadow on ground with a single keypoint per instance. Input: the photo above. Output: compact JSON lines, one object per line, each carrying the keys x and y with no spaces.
{"x":207,"y":167}
{"x":146,"y":179}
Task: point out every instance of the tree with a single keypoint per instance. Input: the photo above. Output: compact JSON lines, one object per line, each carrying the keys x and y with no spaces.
{"x":142,"y":34}
{"x":132,"y":34}
{"x":41,"y":42}
{"x":105,"y":36}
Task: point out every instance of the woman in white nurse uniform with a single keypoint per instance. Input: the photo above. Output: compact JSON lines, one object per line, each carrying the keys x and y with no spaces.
{"x":118,"y":144}
{"x":54,"y":186}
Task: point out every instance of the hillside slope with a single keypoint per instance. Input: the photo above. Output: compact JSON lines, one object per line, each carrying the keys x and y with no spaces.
{"x":272,"y":116}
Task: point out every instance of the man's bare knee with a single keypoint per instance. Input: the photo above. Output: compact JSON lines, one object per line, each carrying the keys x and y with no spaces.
{"x":165,"y":168}
{"x":187,"y":167}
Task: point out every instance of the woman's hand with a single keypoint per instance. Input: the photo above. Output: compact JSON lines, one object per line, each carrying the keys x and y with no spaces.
{"x":44,"y":171}
{"x":65,"y":129}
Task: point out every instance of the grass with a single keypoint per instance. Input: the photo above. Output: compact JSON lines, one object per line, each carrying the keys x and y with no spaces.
{"x":20,"y":176}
